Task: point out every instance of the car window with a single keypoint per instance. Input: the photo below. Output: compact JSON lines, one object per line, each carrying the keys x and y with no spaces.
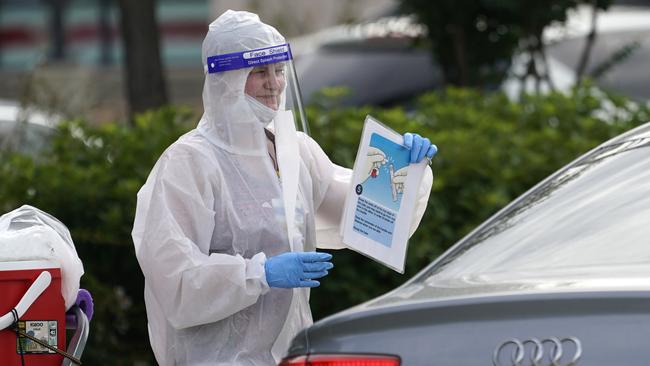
{"x":584,"y":228}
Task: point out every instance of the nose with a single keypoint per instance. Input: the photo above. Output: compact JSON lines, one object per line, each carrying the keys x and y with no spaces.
{"x":273,"y":81}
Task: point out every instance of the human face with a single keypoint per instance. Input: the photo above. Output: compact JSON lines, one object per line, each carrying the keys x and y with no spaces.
{"x":266,"y":83}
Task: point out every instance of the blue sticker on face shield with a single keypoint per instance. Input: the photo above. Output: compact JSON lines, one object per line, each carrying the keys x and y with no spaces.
{"x":252,"y":58}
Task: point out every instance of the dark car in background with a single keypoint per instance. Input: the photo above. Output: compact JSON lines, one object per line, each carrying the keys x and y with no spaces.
{"x":383,"y":62}
{"x":377,"y":61}
{"x":560,"y":276}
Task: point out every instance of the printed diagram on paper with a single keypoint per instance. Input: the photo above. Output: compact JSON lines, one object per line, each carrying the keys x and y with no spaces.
{"x":379,"y":205}
{"x":381,"y":188}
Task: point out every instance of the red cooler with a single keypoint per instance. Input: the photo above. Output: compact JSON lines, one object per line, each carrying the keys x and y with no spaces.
{"x":43,"y":319}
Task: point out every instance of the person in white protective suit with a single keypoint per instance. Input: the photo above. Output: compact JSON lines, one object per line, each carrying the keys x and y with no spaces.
{"x":229,"y":219}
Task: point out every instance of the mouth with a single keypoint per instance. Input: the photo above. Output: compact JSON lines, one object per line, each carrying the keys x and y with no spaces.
{"x":269,"y":100}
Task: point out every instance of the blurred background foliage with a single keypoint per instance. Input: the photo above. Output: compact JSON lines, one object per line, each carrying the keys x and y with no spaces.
{"x":491,"y":150}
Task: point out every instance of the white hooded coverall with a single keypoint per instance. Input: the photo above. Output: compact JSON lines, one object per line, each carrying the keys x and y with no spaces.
{"x":211,"y":212}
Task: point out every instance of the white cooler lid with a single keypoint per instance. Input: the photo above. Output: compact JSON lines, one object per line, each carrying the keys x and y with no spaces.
{"x":27,"y":265}
{"x":28,"y":234}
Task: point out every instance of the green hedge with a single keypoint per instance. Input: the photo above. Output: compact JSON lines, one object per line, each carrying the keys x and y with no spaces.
{"x":491,"y":150}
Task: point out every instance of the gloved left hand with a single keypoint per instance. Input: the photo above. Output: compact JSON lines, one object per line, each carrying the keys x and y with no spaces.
{"x":419,"y":146}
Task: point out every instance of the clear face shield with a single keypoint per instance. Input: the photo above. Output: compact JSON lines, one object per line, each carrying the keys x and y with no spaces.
{"x":265,"y":90}
{"x":272,"y":84}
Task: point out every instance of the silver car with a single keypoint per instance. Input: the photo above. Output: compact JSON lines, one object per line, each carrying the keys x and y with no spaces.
{"x":558,"y":277}
{"x":24,"y":129}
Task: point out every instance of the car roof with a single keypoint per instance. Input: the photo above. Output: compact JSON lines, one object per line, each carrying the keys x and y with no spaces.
{"x":11,"y":112}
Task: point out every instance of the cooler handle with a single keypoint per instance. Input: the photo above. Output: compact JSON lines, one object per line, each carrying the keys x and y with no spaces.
{"x":33,"y":292}
{"x":78,"y":341}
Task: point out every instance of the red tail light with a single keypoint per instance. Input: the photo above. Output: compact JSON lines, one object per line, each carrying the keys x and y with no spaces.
{"x":342,"y":360}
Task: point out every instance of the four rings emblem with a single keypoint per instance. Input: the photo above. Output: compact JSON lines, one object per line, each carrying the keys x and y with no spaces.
{"x":550,"y":351}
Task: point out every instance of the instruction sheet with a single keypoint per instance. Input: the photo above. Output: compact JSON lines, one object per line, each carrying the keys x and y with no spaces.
{"x":380,"y":203}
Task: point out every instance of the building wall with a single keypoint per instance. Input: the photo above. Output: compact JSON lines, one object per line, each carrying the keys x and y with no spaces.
{"x":80,"y":84}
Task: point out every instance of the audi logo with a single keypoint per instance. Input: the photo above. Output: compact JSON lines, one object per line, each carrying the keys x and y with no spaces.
{"x":538,"y":352}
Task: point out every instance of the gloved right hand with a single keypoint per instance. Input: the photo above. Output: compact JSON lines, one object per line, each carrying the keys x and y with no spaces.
{"x":297,"y":269}
{"x":420,"y":147}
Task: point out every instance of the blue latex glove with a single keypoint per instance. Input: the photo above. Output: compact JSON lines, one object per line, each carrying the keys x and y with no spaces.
{"x":419,"y":146}
{"x":299,"y":269}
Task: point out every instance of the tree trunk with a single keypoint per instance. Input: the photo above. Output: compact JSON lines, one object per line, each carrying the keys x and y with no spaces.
{"x":105,"y":33}
{"x":1,"y":45}
{"x":589,"y":44}
{"x":143,"y":72}
{"x":57,"y":29}
{"x":457,"y":34}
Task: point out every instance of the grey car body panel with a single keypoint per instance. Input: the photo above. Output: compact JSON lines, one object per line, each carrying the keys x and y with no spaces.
{"x":464,"y":328}
{"x":612,"y":327}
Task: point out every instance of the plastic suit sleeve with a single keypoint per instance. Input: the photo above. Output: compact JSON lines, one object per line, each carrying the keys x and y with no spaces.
{"x":172,"y":233}
{"x":423,"y":197}
{"x":331,"y":183}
